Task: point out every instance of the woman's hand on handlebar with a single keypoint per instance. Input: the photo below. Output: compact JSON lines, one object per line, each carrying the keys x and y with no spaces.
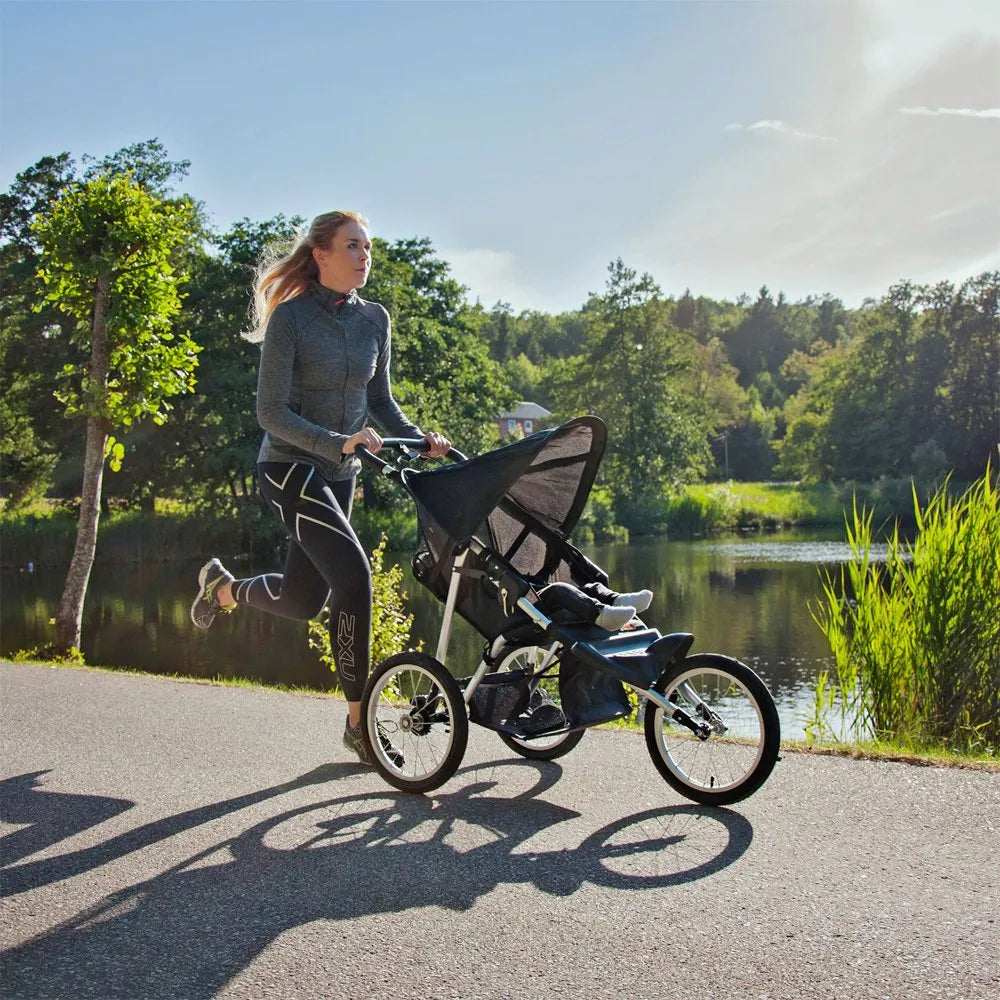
{"x":437,"y":445}
{"x":366,"y":437}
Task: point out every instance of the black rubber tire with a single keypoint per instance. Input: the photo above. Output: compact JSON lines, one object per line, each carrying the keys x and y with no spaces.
{"x":722,"y":769}
{"x":528,"y":748}
{"x":398,"y":717}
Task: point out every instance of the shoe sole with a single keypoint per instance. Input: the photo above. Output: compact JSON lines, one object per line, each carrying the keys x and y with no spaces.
{"x":362,"y":753}
{"x":202,"y":580}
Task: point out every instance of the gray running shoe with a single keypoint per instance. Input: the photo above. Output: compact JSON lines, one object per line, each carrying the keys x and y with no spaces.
{"x":355,"y":742}
{"x":206,"y":605}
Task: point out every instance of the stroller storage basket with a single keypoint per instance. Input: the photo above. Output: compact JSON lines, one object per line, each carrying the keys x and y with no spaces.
{"x":499,"y":699}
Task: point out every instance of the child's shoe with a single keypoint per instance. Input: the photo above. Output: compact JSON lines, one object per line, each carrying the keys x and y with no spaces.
{"x":640,"y":600}
{"x":613,"y":617}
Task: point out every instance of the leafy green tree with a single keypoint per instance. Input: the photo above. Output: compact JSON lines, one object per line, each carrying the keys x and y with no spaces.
{"x":537,"y":335}
{"x":799,"y":450}
{"x":107,"y":246}
{"x":634,"y":372}
{"x":969,"y":385}
{"x":33,"y":341}
{"x":525,"y":378}
{"x":206,"y":454}
{"x":909,"y":388}
{"x":40,"y":449}
{"x":750,"y":453}
{"x":443,"y":375}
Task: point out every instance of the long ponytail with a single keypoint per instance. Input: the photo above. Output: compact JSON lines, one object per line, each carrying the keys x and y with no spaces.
{"x":283,"y":272}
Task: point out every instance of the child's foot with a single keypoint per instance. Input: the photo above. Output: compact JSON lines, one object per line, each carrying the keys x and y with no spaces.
{"x":206,"y":605}
{"x":640,"y":600}
{"x":613,"y":617}
{"x":354,"y":741}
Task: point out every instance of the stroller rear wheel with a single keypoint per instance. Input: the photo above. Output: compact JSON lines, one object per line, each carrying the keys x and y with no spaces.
{"x":738,"y":746}
{"x":416,"y":724}
{"x":544,"y":698}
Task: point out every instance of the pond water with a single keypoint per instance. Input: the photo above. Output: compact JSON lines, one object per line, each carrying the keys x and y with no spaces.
{"x":745,"y":596}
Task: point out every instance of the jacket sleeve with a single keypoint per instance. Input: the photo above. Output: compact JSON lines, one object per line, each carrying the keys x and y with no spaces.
{"x":275,"y":413}
{"x":381,"y":405}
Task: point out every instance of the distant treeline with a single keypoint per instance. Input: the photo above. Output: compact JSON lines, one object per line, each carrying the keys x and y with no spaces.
{"x":692,"y":388}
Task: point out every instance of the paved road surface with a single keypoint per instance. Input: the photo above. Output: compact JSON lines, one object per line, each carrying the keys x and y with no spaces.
{"x":164,"y":839}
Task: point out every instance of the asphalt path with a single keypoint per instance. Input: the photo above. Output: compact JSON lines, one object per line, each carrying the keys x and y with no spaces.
{"x":165,"y":839}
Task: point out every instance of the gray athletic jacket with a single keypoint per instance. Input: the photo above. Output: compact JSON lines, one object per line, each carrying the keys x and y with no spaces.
{"x":324,"y":367}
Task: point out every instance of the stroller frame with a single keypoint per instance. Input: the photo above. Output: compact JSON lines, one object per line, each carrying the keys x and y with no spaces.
{"x":414,"y":698}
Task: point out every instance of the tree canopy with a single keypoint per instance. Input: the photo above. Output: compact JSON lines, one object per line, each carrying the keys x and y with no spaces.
{"x":691,"y":387}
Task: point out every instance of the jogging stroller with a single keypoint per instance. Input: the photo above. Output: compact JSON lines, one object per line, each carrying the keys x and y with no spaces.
{"x":494,"y":530}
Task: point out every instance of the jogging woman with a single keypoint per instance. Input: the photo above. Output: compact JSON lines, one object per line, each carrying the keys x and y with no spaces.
{"x":324,"y":368}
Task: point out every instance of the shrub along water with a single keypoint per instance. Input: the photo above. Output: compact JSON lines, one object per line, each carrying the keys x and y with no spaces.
{"x":916,"y":639}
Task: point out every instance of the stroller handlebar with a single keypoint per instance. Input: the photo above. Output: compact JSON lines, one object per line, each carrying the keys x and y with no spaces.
{"x":406,"y":448}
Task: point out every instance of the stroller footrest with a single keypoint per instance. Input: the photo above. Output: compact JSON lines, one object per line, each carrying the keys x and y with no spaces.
{"x":640,"y":668}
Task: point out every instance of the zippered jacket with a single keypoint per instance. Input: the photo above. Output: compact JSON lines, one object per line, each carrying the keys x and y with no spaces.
{"x":324,"y":369}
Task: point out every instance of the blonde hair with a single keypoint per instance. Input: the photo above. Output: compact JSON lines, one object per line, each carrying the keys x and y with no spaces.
{"x":286,"y":270}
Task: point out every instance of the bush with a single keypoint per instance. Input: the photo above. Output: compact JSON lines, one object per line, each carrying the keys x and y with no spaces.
{"x":916,"y":640}
{"x":597,"y":523}
{"x":691,"y":513}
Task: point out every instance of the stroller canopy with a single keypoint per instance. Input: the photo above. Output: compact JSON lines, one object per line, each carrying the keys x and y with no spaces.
{"x":535,"y":486}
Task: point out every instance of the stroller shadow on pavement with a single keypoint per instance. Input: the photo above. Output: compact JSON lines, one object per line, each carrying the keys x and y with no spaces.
{"x":188,"y":931}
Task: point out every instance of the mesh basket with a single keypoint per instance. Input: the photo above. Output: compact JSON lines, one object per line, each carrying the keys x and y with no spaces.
{"x":499,"y":699}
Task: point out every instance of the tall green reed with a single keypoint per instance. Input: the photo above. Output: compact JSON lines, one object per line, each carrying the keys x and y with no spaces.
{"x":916,"y":638}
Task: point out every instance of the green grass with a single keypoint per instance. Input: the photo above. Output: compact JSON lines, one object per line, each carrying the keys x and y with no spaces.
{"x":34,"y":657}
{"x":714,"y":508}
{"x":895,"y":753}
{"x":711,"y":508}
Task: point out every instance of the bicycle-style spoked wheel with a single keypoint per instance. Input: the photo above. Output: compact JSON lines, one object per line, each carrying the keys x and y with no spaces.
{"x":545,"y":701}
{"x":416,"y":723}
{"x":738,"y":747}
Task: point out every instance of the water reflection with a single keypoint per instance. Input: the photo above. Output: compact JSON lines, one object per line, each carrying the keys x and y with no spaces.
{"x":745,"y":597}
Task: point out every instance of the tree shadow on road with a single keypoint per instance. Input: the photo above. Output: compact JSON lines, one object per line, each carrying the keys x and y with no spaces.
{"x":50,"y":817}
{"x":189,"y":930}
{"x":45,"y":818}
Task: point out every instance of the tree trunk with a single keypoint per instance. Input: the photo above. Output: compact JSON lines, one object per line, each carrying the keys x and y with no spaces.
{"x":69,"y":617}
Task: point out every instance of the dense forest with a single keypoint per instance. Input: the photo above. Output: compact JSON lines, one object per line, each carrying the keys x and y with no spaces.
{"x":692,"y":388}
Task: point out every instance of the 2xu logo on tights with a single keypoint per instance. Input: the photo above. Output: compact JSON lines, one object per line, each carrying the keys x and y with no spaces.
{"x":345,"y":645}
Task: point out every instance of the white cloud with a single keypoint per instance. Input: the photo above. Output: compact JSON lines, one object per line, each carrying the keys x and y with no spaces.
{"x":488,"y":274}
{"x":898,"y":195}
{"x":777,"y":127}
{"x":957,"y":112}
{"x":904,"y":37}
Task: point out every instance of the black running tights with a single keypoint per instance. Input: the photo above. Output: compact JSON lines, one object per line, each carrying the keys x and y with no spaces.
{"x":325,"y":559}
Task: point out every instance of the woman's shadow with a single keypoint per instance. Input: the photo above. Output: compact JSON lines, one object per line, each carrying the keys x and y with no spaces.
{"x":190,"y":930}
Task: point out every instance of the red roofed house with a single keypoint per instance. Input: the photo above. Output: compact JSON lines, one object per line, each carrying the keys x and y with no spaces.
{"x":523,"y":419}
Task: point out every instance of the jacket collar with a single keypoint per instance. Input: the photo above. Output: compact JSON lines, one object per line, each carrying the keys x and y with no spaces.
{"x":334,"y":301}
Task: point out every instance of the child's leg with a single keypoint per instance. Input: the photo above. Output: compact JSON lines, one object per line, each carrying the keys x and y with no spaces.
{"x":566,"y":602}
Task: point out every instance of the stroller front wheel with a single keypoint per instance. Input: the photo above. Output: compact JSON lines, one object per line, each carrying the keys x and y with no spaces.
{"x":740,"y":747}
{"x":416,"y":723}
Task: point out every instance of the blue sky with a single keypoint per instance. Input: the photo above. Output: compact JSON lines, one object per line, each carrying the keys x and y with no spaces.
{"x":810,"y":146}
